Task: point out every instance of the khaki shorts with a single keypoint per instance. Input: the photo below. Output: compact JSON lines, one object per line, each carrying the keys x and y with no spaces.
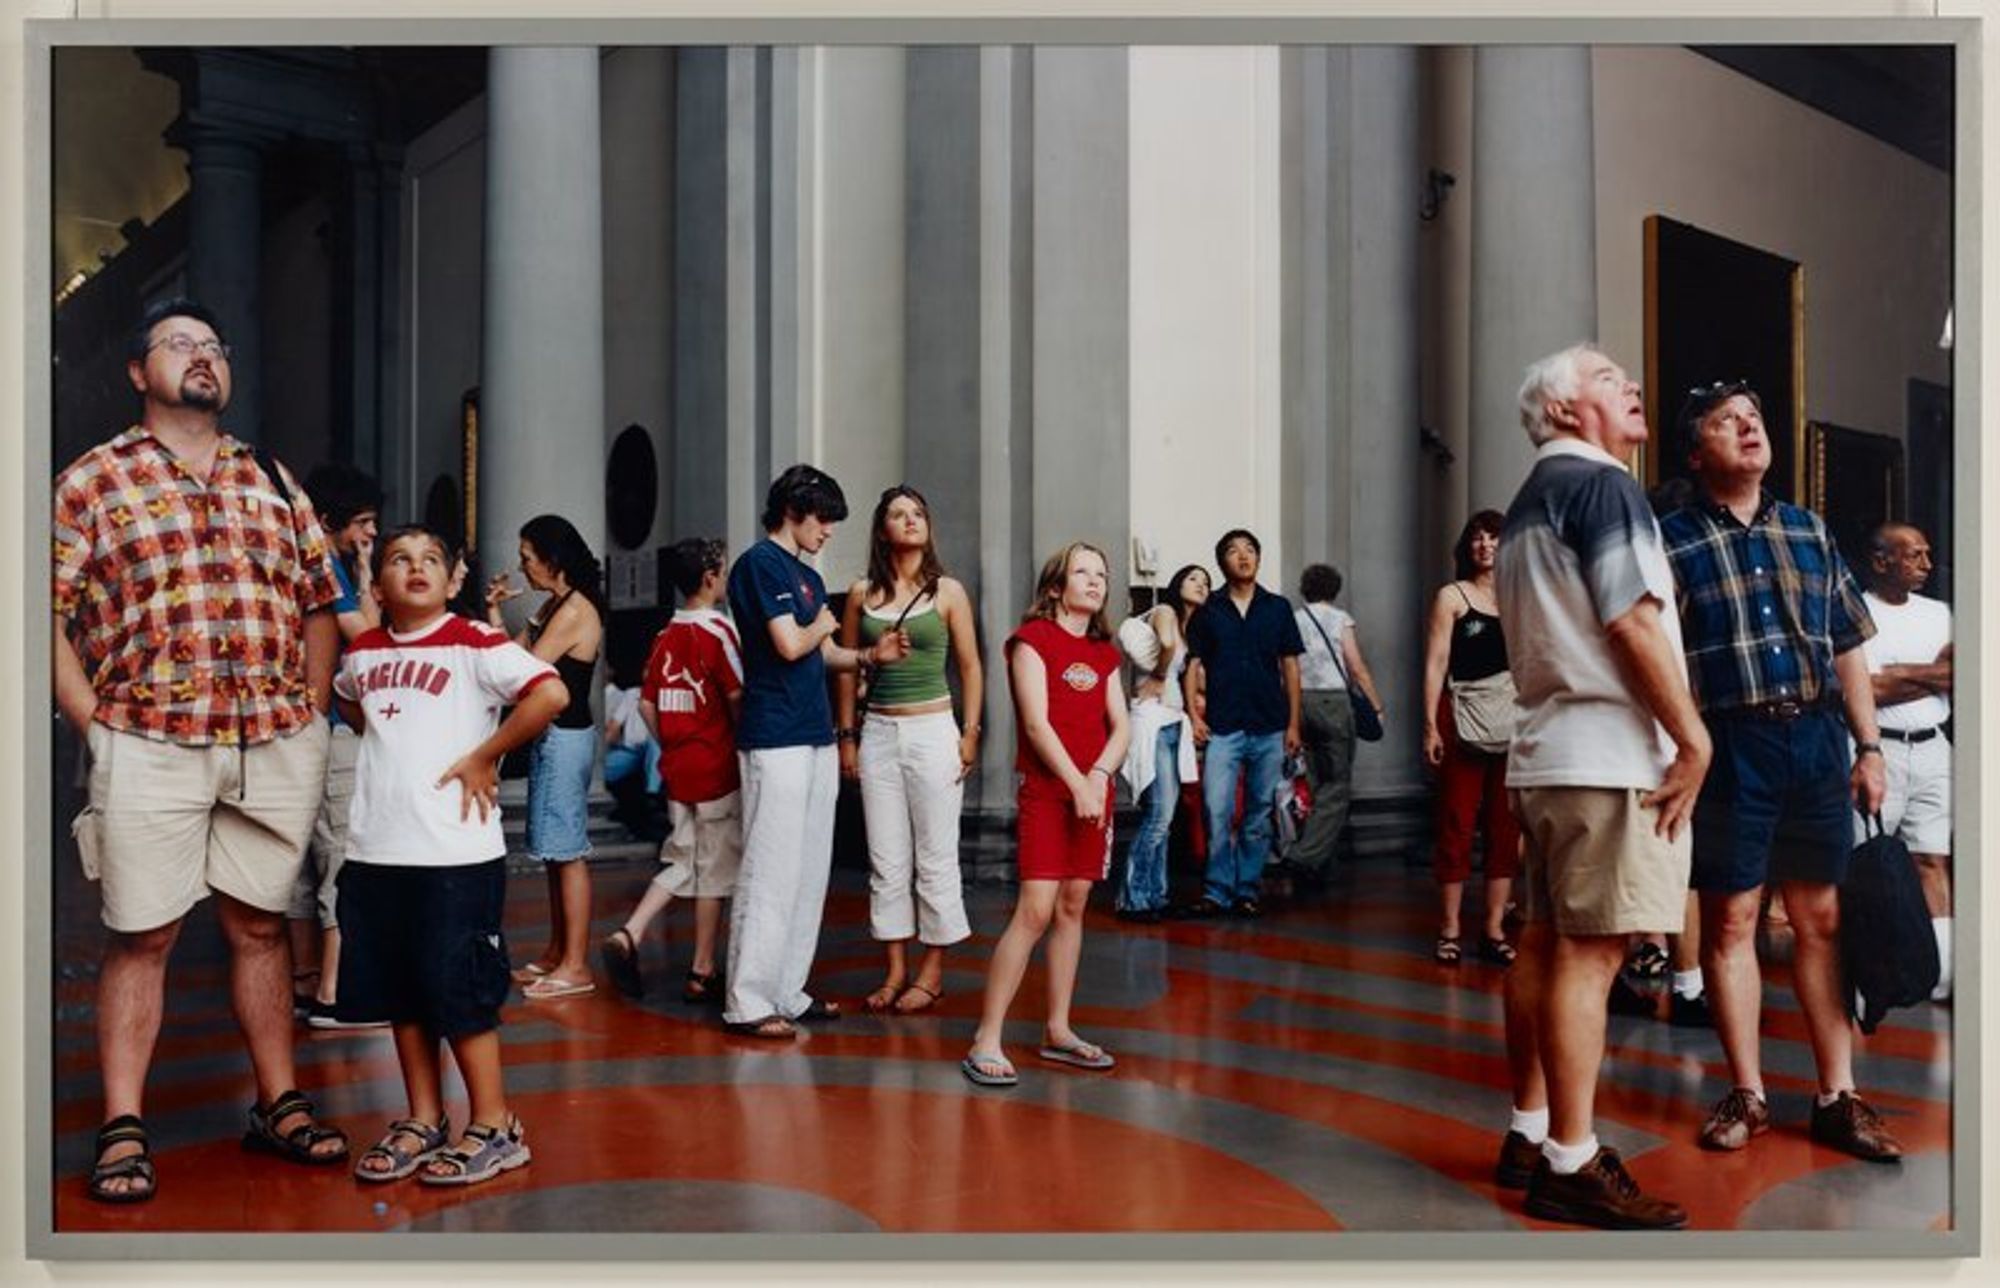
{"x":313,"y":893}
{"x":170,"y":827}
{"x":1593,"y":865}
{"x":704,"y":851}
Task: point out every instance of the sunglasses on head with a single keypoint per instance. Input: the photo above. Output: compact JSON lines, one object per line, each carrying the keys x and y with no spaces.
{"x":1700,"y":398}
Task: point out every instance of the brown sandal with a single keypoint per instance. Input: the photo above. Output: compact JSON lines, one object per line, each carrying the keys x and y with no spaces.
{"x":929,"y":997}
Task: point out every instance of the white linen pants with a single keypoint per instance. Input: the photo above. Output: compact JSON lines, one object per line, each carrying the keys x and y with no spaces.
{"x":788,"y":798}
{"x":910,"y":800}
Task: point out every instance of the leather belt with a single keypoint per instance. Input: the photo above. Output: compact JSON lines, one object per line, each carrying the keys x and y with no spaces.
{"x":1912,"y":736}
{"x":1778,"y":712}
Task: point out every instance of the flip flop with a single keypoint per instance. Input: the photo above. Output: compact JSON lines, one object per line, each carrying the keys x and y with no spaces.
{"x":929,"y":997}
{"x":529,"y":973}
{"x":882,"y":998}
{"x":976,"y":1068}
{"x":1084,"y":1055}
{"x":549,"y":986}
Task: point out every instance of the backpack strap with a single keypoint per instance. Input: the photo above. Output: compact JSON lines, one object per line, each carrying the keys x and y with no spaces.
{"x":269,"y":464}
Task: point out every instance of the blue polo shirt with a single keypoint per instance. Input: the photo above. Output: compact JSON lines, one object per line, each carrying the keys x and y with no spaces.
{"x":1240,"y":653}
{"x":784,"y":703}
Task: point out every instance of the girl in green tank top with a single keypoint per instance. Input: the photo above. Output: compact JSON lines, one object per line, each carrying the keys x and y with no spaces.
{"x":899,"y":740}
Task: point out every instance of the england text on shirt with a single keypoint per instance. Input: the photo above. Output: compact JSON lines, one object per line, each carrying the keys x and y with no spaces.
{"x":430,"y":697}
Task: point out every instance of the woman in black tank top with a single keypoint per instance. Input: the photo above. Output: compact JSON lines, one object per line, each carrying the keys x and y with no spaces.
{"x":566,"y":632}
{"x":1464,"y":643}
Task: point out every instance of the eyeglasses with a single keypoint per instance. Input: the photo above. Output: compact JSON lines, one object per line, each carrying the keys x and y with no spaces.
{"x":186,"y":346}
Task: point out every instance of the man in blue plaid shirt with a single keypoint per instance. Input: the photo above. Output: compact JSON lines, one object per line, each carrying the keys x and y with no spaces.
{"x":1773,"y":623}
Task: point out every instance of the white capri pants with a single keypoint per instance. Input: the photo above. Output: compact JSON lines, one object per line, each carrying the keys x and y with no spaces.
{"x":910,"y":799}
{"x":788,"y":799}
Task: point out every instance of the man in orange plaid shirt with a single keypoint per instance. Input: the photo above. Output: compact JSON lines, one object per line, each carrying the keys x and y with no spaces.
{"x":194,"y":647}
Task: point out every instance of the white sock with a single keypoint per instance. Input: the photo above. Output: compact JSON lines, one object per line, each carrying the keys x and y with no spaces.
{"x":1532,"y":1123}
{"x":1941,"y":927}
{"x":1566,"y":1160}
{"x":1687,"y":983}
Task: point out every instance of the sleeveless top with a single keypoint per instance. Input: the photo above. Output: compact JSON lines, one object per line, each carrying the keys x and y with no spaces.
{"x":1078,"y":668}
{"x":919,"y":676}
{"x":574,"y":672}
{"x":1478,"y":648}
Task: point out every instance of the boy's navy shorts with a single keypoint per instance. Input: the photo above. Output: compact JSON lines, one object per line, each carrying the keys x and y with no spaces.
{"x":422,"y":945}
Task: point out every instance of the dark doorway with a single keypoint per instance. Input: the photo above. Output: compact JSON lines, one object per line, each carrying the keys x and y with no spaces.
{"x":1857,"y":486}
{"x":1717,"y":309}
{"x":1930,"y":508}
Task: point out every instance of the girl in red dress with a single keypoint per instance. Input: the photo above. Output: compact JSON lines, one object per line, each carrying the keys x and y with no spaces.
{"x":1069,"y":715}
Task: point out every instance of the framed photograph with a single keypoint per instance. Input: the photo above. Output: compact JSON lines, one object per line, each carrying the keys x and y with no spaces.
{"x":1168,"y":300}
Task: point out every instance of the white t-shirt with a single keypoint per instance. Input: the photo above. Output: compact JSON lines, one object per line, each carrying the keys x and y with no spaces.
{"x":1580,"y":548}
{"x":1317,"y":669}
{"x":430,"y":697}
{"x":622,"y":706}
{"x":1914,"y":631}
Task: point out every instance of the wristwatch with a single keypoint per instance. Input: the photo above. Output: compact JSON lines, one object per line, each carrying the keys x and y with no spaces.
{"x":1863,"y":748}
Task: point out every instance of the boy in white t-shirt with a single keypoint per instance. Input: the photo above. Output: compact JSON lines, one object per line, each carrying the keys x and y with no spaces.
{"x":424,"y":884}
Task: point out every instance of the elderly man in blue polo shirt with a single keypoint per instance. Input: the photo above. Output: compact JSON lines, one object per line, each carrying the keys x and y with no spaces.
{"x":1773,"y":624}
{"x":1243,"y":656}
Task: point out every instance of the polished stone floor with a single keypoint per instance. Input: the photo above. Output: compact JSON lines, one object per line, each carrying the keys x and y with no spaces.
{"x":1312,"y":1071}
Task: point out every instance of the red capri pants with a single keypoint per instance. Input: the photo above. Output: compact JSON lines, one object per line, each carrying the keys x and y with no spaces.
{"x":1472,"y":789}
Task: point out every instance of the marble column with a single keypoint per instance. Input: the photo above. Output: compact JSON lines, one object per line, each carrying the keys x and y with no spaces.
{"x":225,"y":250}
{"x":1534,"y":243}
{"x":542,"y":360}
{"x":1007,"y":559}
{"x":1080,"y":345}
{"x":721,"y":317}
{"x":1352,"y":376}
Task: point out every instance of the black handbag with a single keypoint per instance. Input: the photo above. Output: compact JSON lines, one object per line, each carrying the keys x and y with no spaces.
{"x":1367,"y":722}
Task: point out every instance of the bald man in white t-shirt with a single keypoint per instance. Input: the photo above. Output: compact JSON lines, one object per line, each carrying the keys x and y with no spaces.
{"x":1909,"y":666}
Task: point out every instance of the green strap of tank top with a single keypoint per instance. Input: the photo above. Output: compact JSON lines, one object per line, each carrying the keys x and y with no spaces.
{"x":918,"y":677}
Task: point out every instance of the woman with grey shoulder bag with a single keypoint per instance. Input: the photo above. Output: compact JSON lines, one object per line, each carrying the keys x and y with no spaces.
{"x":1337,"y":695}
{"x":1468,"y":720}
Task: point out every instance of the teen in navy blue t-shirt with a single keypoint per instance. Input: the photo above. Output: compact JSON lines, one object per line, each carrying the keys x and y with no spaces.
{"x":784,"y":701}
{"x":791,"y":775}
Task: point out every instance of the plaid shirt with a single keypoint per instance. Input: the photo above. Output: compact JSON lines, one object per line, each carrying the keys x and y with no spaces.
{"x":1764,"y":606}
{"x":186,"y":597}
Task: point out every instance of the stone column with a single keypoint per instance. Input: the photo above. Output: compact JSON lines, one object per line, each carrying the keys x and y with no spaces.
{"x":542,"y":361}
{"x":1353,"y":373}
{"x":366,"y":309}
{"x":720,"y":268}
{"x":1080,"y":346}
{"x":1534,"y":243}
{"x":225,"y":249}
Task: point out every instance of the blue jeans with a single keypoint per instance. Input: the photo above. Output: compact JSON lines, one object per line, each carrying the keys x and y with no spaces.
{"x":1145,"y":885}
{"x":1236,"y":858}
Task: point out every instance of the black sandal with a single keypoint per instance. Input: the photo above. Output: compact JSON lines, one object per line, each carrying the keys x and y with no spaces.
{"x":297,"y":1144}
{"x":620,"y":957}
{"x":819,"y":1009}
{"x":702,"y":990}
{"x":133,"y":1167}
{"x":1497,"y":951}
{"x":1447,"y":951}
